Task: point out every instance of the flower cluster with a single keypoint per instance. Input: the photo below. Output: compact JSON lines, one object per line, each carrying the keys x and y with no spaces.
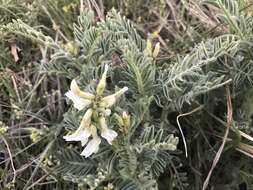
{"x":94,"y":119}
{"x":149,"y":51}
{"x":3,"y":128}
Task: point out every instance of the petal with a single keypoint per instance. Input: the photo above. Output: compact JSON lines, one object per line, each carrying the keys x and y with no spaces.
{"x":74,"y":87}
{"x":84,"y":130}
{"x":121,"y":91}
{"x":85,"y":122}
{"x":106,"y":133}
{"x":107,"y":112}
{"x":79,"y":103}
{"x":104,"y":111}
{"x":102,"y":122}
{"x":108,"y":101}
{"x":76,"y":90}
{"x":79,"y":135}
{"x":86,"y":95}
{"x":109,"y":135}
{"x":91,"y":147}
{"x":84,"y":141}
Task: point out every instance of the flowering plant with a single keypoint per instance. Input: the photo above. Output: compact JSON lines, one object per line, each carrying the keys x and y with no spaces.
{"x":95,"y":116}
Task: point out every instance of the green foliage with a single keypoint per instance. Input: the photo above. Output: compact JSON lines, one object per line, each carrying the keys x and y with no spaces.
{"x":73,"y":166}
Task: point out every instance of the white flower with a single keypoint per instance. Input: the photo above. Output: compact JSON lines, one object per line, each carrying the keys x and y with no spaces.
{"x":93,"y":145}
{"x":83,"y":132}
{"x":80,"y":99}
{"x":107,"y":133}
{"x":108,"y":101}
{"x":79,"y":103}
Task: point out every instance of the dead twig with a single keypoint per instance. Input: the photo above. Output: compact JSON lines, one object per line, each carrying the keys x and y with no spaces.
{"x":180,"y":129}
{"x":10,"y":156}
{"x":218,"y":154}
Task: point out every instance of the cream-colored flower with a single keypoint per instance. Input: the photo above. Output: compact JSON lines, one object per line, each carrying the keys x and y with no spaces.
{"x":107,"y":133}
{"x":83,"y":132}
{"x":108,"y":101}
{"x":93,"y":145}
{"x":76,"y":90}
{"x":102,"y":83}
{"x":99,"y":107}
{"x":80,"y":99}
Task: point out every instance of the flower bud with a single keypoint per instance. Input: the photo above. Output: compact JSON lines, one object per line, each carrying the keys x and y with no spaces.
{"x":175,"y":141}
{"x":102,"y":122}
{"x":156,"y":50}
{"x":119,"y":119}
{"x":154,"y":34}
{"x":3,"y":130}
{"x":102,"y":83}
{"x":126,"y":119}
{"x":148,"y":50}
{"x":35,"y":135}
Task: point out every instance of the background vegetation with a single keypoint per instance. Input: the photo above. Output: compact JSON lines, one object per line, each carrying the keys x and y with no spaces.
{"x":198,"y":88}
